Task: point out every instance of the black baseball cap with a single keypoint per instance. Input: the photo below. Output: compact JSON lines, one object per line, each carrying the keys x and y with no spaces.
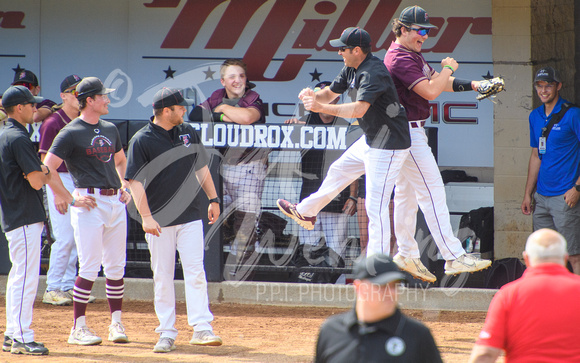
{"x":352,"y":37}
{"x":167,"y":97}
{"x":547,"y":74}
{"x":69,"y":82}
{"x":415,"y":15}
{"x":91,"y":86}
{"x":18,"y":95}
{"x":25,"y":76}
{"x":378,"y":269}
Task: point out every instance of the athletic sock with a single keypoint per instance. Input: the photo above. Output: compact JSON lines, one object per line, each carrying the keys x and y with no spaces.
{"x":81,"y":293}
{"x":115,"y":290}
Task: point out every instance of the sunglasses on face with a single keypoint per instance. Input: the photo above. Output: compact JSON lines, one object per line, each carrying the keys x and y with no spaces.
{"x":421,"y":31}
{"x":71,"y":91}
{"x":342,"y":49}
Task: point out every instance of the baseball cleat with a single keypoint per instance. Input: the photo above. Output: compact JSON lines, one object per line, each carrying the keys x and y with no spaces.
{"x":32,"y":348}
{"x":205,"y":337}
{"x":164,"y":345}
{"x":117,"y":333}
{"x":466,"y":263}
{"x":7,"y":345}
{"x":82,"y":335}
{"x":289,"y":209}
{"x":56,"y":297}
{"x":415,"y":267}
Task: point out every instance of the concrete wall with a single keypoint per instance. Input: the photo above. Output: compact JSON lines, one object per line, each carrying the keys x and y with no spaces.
{"x":527,"y":35}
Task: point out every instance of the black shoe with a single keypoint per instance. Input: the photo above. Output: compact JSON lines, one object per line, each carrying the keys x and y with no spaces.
{"x":7,"y":345}
{"x":32,"y":348}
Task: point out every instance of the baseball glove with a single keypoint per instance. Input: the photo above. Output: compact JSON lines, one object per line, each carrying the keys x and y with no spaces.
{"x":490,"y":87}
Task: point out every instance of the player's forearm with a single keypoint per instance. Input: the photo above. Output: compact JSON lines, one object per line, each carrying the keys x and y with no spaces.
{"x":140,"y":198}
{"x":239,"y":115}
{"x":346,"y":110}
{"x":121,"y":167}
{"x":204,"y":178}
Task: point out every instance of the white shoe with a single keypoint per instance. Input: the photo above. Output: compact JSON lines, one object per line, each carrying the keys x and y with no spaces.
{"x":205,"y":337}
{"x":466,"y":263}
{"x":56,"y":297}
{"x":82,"y":335}
{"x":117,"y":333}
{"x":164,"y":345}
{"x":415,"y":267}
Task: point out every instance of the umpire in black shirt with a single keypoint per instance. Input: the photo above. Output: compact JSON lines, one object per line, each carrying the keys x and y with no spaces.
{"x":375,"y":330}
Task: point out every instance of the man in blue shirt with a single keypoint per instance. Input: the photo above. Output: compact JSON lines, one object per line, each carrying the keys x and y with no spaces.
{"x":553,"y":186}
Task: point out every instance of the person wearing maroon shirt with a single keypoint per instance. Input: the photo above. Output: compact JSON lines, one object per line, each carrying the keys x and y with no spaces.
{"x":420,"y":180}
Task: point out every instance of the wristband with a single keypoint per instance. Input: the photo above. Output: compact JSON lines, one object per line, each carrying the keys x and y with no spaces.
{"x":72,"y":204}
{"x":450,"y":68}
{"x":461,"y":85}
{"x":47,"y":171}
{"x":353,"y":198}
{"x":215,"y":200}
{"x":217,"y":116}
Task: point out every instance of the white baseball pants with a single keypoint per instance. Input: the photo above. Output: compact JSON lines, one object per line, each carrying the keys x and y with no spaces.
{"x":420,"y":182}
{"x":243,"y":186}
{"x":22,"y":284}
{"x":188,"y":239}
{"x":382,"y":168}
{"x":101,"y":236}
{"x":330,"y":225}
{"x":62,"y":268}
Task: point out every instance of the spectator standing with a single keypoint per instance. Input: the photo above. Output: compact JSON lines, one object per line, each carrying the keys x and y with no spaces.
{"x":553,"y":186}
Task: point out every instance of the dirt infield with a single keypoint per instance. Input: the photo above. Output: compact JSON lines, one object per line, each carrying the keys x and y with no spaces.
{"x":251,"y":333}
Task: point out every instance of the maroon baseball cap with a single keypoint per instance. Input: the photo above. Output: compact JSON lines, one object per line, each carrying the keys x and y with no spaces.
{"x":352,"y":37}
{"x":415,"y":15}
{"x":167,"y":97}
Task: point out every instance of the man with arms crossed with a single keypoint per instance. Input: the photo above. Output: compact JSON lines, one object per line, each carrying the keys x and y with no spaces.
{"x":94,"y":156}
{"x":554,"y":168}
{"x":22,"y":176}
{"x":166,"y":165}
{"x":536,"y":317}
{"x":420,"y":180}
{"x":379,"y":153}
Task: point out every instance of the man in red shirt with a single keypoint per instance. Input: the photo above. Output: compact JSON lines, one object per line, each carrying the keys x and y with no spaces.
{"x":535,"y":318}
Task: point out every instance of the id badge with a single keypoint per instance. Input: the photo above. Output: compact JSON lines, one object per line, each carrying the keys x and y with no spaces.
{"x":542,"y":146}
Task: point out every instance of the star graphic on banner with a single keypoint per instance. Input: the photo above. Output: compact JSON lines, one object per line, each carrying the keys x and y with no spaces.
{"x":315,"y":75}
{"x":488,"y":76}
{"x":17,"y":69}
{"x":209,"y":73}
{"x":169,"y":72}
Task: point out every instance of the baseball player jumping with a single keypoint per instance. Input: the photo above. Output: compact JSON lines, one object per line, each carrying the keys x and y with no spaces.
{"x":94,"y":156}
{"x":379,"y":153}
{"x":420,"y":180}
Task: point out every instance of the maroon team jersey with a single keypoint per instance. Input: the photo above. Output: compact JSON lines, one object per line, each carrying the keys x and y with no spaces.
{"x":48,"y":131}
{"x":408,"y":68}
